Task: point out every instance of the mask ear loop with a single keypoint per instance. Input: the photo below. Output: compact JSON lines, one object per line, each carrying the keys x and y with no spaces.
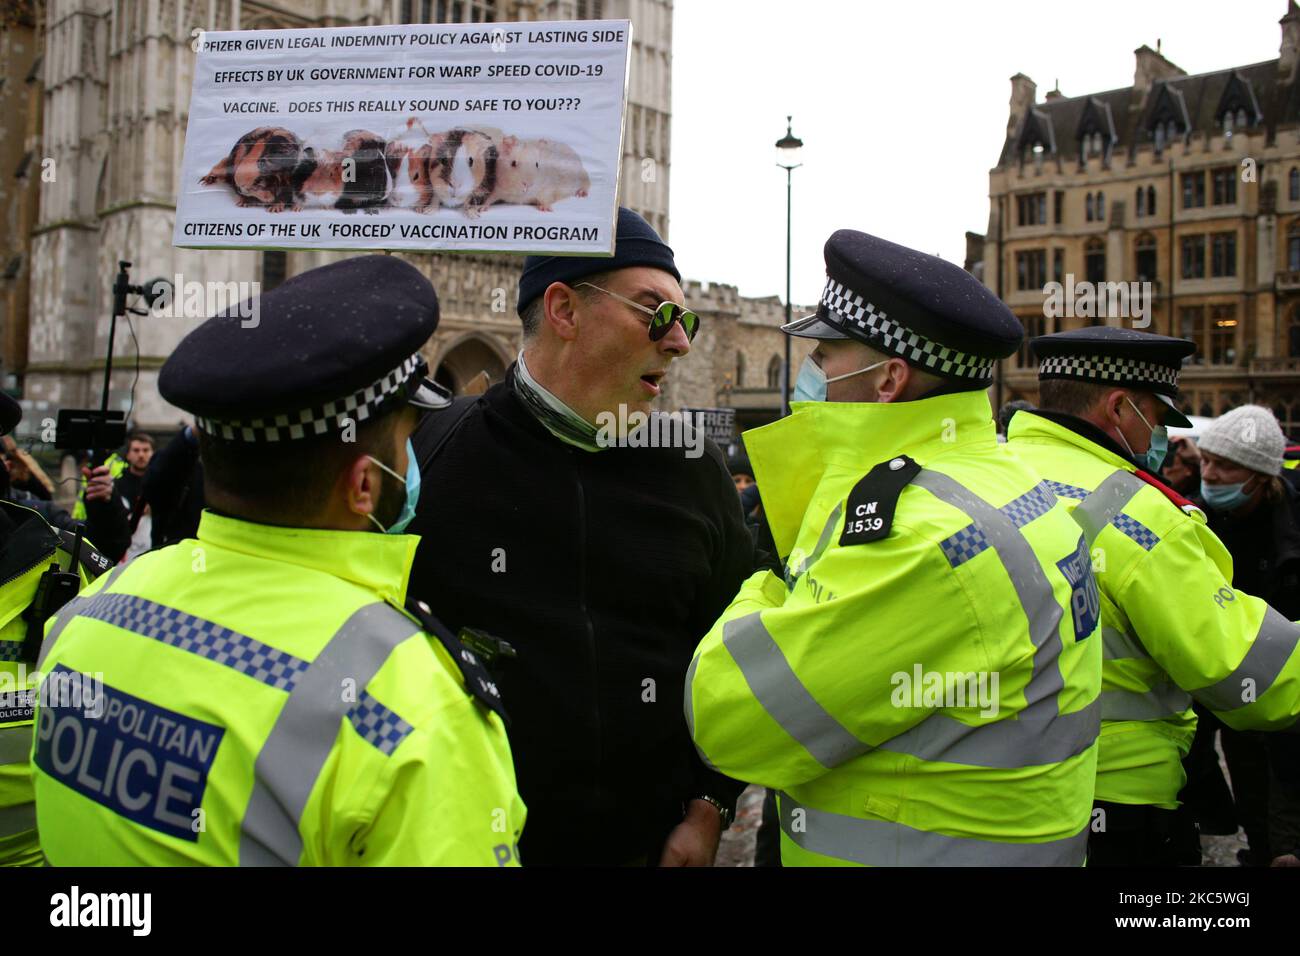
{"x":400,"y":478}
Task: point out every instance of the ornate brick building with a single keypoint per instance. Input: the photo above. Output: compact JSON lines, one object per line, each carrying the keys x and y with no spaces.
{"x":1189,"y":183}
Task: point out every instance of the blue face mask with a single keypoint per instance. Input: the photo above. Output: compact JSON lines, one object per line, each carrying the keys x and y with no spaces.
{"x":1224,"y":497}
{"x":412,"y":482}
{"x":1159,"y":446}
{"x":811,"y":385}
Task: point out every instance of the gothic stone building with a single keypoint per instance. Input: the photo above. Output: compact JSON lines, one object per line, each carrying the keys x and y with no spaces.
{"x":1189,"y":183}
{"x":95,"y":93}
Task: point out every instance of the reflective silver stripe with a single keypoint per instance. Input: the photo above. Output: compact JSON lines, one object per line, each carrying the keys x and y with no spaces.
{"x":1106,"y":501}
{"x":68,"y":612}
{"x":1116,"y":645}
{"x":885,"y":843}
{"x":1268,"y":655}
{"x":18,"y":819}
{"x":823,"y":542}
{"x":1163,"y":700}
{"x":15,"y":744}
{"x":780,"y":692}
{"x":688,"y":706}
{"x":290,"y":761}
{"x":1038,"y":735}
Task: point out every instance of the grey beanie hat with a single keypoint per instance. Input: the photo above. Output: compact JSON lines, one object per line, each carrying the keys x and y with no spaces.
{"x":1249,"y":436}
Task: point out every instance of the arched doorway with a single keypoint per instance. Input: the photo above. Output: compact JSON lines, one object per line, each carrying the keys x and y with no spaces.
{"x":463,"y":362}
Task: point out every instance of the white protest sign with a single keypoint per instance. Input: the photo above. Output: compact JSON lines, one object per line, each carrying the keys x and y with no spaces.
{"x":462,"y":137}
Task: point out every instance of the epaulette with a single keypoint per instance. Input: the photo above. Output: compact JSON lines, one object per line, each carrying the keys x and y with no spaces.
{"x":1185,"y":505}
{"x":869,"y":512}
{"x":88,"y":557}
{"x":478,"y":679}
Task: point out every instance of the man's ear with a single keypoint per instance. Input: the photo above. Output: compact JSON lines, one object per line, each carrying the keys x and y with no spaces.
{"x":1111,"y":404}
{"x":560,"y":304}
{"x":898,"y":375}
{"x":361,"y":486}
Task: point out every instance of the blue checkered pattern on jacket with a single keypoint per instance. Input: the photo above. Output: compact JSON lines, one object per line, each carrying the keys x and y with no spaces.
{"x":219,"y":644}
{"x":378,"y":725}
{"x":1062,"y":490}
{"x":964,"y":545}
{"x":1037,"y":501}
{"x":11,"y":650}
{"x":1136,"y":530}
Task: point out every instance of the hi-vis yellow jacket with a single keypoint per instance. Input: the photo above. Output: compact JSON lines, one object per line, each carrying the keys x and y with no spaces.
{"x":28,"y":553}
{"x":1173,"y":627}
{"x":257,"y":697}
{"x":923,"y":687}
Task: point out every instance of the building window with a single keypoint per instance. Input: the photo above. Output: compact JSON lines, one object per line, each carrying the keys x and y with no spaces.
{"x":1293,"y":248}
{"x":1031,"y":209}
{"x":1094,"y":261}
{"x":740,"y":370}
{"x":1223,"y":254}
{"x":1031,"y":269}
{"x":1101,"y":207}
{"x":589,"y":10}
{"x":1088,"y":208}
{"x":1225,"y":186}
{"x":1193,"y":190}
{"x":774,"y":372}
{"x":1242,"y":121}
{"x":1035,"y":325}
{"x":1151,"y":200}
{"x":1193,"y":257}
{"x":1058,"y":265}
{"x":1223,"y":334}
{"x":1293,"y":184}
{"x":1058,"y":202}
{"x":1293,"y":335}
{"x":1139,"y":202}
{"x":1191,"y":325}
{"x":1145,"y":249}
{"x":447,"y":11}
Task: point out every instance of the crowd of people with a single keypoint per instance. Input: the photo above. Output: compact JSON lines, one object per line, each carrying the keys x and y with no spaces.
{"x":346,"y":618}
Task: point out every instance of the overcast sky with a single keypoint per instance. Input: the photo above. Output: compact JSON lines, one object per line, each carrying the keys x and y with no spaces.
{"x":902,"y":107}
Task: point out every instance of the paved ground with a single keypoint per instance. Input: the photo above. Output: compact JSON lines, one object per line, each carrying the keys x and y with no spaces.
{"x":737,"y":848}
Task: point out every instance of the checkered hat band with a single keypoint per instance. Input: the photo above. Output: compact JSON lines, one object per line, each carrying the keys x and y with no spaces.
{"x":1108,"y":368}
{"x":310,"y":422}
{"x":916,"y":348}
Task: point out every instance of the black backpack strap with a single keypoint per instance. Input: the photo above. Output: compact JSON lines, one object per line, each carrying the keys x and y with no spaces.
{"x":437,"y":427}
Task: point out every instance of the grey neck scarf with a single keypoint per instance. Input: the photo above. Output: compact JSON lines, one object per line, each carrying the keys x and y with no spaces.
{"x":557,"y":418}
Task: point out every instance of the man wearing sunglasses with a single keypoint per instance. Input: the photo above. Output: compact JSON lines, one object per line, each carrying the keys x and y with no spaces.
{"x":601,"y":566}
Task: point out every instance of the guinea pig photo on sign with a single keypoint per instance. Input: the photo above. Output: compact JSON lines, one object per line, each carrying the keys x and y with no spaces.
{"x":266,"y":167}
{"x":537,"y":172}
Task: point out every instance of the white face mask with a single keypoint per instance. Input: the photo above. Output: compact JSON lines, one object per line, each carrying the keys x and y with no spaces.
{"x":811,"y":385}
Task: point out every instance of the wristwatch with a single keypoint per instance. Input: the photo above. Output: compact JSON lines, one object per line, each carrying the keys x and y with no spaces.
{"x":723,"y":811}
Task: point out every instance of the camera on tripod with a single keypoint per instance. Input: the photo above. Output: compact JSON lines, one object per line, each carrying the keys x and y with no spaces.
{"x":99,"y":429}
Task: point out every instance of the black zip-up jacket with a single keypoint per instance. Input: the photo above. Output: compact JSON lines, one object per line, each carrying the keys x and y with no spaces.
{"x":603,"y":570}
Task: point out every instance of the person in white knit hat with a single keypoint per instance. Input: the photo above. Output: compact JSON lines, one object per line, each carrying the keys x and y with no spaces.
{"x":1242,"y":454}
{"x":1256,"y":514}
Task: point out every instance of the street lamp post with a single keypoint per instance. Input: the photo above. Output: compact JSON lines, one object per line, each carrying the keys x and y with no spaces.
{"x":787,"y":153}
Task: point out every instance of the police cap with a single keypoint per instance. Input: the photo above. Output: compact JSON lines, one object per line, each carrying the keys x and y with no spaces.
{"x":918,"y":307}
{"x":335,"y":344}
{"x":1124,"y":358}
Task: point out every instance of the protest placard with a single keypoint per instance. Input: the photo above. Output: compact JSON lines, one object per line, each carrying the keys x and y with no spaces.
{"x":462,"y":137}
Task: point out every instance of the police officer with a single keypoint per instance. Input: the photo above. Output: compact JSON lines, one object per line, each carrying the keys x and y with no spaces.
{"x":1173,"y":627}
{"x":260,"y":695}
{"x":922,"y":686}
{"x":42,"y":567}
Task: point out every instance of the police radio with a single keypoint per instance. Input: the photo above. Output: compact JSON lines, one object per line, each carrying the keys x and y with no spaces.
{"x":55,"y":589}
